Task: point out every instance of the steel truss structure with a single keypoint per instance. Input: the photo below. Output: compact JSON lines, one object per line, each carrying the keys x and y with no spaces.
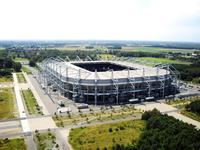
{"x":82,"y":85}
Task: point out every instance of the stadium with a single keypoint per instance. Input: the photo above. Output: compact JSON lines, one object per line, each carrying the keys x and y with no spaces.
{"x":107,"y":82}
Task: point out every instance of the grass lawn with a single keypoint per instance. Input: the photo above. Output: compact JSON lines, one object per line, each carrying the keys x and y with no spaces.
{"x":25,"y":69}
{"x":191,"y":115}
{"x":6,"y":103}
{"x":152,"y":61}
{"x":106,"y":56}
{"x":21,"y":78}
{"x":180,"y":104}
{"x":45,"y":140}
{"x":12,"y":144}
{"x":31,"y":103}
{"x":107,"y":135}
{"x":20,"y":59}
{"x":6,"y":78}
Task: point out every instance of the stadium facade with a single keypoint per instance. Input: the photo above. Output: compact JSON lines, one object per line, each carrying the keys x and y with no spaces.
{"x":107,"y":82}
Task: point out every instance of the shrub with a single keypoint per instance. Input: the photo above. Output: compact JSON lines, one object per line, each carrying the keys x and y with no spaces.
{"x":194,"y":106}
{"x":57,"y":146}
{"x":121,"y":128}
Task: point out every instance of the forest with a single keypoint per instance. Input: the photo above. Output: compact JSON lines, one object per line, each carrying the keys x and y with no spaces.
{"x":164,"y":133}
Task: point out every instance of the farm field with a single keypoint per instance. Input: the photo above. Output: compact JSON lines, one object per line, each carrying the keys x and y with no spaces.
{"x":7,"y":108}
{"x":152,"y":61}
{"x":12,"y":144}
{"x":31,"y":103}
{"x":107,"y":135}
{"x":157,"y":49}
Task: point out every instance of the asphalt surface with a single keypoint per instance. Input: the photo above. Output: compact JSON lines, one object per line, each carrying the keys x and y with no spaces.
{"x":50,"y":106}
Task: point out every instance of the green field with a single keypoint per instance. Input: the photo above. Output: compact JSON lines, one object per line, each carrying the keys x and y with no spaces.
{"x":6,"y":79}
{"x":18,"y":59}
{"x":107,"y":135}
{"x":21,"y":78}
{"x":106,"y":56}
{"x":25,"y":69}
{"x":45,"y":140}
{"x":31,"y":103}
{"x":153,"y":61}
{"x":12,"y":144}
{"x":6,"y":103}
{"x":157,"y":49}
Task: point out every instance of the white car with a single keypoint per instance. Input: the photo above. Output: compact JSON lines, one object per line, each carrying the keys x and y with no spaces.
{"x":63,"y":109}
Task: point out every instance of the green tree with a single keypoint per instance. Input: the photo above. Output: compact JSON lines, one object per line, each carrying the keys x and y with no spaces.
{"x":17,"y":66}
{"x":32,"y":63}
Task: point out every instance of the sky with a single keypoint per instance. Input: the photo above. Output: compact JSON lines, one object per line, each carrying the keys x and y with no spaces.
{"x":160,"y":20}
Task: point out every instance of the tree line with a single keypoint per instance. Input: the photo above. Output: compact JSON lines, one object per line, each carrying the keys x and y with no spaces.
{"x":138,"y":54}
{"x":70,"y":53}
{"x":7,"y":65}
{"x":188,"y":72}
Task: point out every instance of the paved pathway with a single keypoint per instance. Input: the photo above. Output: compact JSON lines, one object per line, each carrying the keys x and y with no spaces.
{"x":9,"y":127}
{"x":21,"y":108}
{"x":41,"y":123}
{"x":62,"y":137}
{"x":22,"y":114}
{"x":48,"y":102}
{"x":6,"y":84}
{"x":185,"y":119}
{"x":169,"y":110}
